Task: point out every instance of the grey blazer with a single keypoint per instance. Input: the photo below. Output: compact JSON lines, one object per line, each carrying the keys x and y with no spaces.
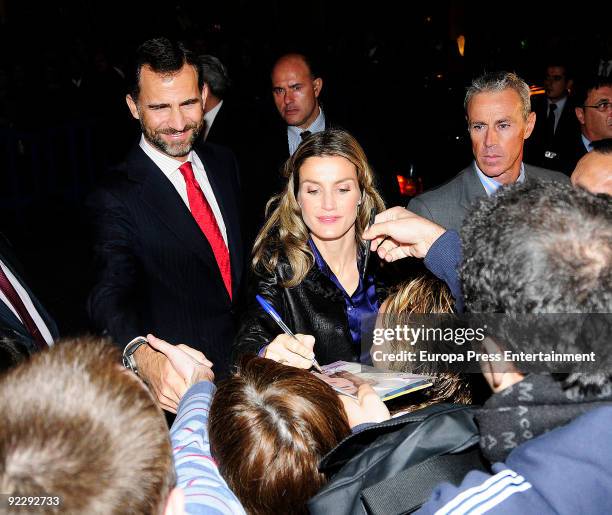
{"x":447,"y":205}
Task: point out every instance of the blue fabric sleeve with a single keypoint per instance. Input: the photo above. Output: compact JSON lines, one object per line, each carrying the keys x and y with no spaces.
{"x":206,"y":492}
{"x":443,"y":260}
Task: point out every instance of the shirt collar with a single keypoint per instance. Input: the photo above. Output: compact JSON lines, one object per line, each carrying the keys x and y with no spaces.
{"x":490,"y":185}
{"x":559,"y":103}
{"x":586,"y":142}
{"x":166,"y":164}
{"x":317,"y":125}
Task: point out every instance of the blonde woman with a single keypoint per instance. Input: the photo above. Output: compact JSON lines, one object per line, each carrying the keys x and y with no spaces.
{"x":308,"y":259}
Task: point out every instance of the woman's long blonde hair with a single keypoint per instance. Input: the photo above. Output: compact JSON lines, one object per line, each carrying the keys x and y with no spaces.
{"x":285,"y":232}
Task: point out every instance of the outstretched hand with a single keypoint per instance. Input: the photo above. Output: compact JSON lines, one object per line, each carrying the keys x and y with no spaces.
{"x":398,"y":233}
{"x":170,"y":370}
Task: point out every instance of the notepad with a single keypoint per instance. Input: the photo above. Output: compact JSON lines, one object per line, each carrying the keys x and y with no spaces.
{"x":346,"y":377}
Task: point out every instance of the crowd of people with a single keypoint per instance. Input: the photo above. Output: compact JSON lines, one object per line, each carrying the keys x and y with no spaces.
{"x":197,"y":221}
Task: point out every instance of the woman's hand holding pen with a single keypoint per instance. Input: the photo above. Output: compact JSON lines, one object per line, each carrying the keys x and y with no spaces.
{"x":296,"y":352}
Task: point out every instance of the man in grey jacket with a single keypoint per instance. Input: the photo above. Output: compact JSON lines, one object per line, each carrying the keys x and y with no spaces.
{"x":499,"y":118}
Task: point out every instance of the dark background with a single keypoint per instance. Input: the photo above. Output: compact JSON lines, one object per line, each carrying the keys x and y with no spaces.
{"x":398,"y":73}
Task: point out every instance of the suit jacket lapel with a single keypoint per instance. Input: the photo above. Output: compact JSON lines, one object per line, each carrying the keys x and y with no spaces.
{"x":161,"y":196}
{"x":5,"y":312}
{"x":472,"y":187}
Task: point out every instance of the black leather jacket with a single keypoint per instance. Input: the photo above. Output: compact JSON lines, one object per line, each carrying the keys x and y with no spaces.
{"x":316,"y":306}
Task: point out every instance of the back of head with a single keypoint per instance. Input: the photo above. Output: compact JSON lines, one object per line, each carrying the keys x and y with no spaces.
{"x":593,"y":171}
{"x":78,"y":426}
{"x":215,"y":75}
{"x":163,"y":57}
{"x":539,"y":247}
{"x":497,"y":82}
{"x":269,"y":426}
{"x":406,"y":306}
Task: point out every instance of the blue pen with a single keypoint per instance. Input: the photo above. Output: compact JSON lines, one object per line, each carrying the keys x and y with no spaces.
{"x":276,"y":317}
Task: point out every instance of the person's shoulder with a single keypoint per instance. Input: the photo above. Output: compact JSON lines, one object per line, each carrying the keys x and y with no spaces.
{"x":450,"y":188}
{"x":544,"y":173}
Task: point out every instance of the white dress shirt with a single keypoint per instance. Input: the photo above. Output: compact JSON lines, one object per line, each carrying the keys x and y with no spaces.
{"x":170,"y":168}
{"x":27,"y":302}
{"x":557,"y":112}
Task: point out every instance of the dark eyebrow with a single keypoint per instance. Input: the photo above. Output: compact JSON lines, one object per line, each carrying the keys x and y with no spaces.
{"x":335,"y":182}
{"x":190,"y":101}
{"x":187,"y":102}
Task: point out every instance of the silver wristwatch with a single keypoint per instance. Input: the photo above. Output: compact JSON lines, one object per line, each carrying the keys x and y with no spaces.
{"x":128,"y":353}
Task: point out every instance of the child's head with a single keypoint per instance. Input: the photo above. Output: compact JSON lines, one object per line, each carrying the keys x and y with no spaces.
{"x":424,"y":295}
{"x":270,"y":424}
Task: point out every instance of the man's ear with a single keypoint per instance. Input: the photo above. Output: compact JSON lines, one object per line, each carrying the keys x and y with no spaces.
{"x":499,"y":374}
{"x":175,"y":504}
{"x":531,"y":119}
{"x":204,"y":94}
{"x":570,"y":85}
{"x":579,"y":114}
{"x":318,"y":86}
{"x":132,"y":106}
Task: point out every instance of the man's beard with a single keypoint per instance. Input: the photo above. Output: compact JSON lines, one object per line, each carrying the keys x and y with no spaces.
{"x":178,"y":149}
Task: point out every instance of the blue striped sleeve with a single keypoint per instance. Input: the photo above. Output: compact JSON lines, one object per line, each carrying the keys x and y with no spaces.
{"x":483,"y":493}
{"x":206,"y":492}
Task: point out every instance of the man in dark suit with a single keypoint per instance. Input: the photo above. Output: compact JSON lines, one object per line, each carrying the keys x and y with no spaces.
{"x":499,"y":118}
{"x":220,"y":124}
{"x":168,"y":247}
{"x":296,"y":87}
{"x":23,"y":318}
{"x":556,"y":130}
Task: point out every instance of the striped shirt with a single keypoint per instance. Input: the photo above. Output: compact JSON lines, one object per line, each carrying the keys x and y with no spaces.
{"x":206,"y":492}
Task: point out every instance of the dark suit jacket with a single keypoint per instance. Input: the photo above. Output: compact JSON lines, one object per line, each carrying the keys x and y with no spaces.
{"x":229,"y":128}
{"x":565,"y":143}
{"x":448,"y":205}
{"x":10,"y":325}
{"x":156,"y":271}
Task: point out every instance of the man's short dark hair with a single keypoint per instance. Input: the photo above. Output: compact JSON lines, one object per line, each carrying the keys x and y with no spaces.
{"x":588,"y":84}
{"x":164,"y":57}
{"x":558,"y":62}
{"x":602,"y":146}
{"x":539,"y":247}
{"x":215,"y":75}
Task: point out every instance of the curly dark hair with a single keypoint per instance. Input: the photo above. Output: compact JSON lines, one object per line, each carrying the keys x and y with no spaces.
{"x":539,"y":247}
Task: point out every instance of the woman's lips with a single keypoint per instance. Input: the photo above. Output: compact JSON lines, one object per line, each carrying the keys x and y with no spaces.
{"x":328,"y":219}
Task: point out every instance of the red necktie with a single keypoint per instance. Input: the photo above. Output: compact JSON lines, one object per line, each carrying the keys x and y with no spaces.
{"x":11,"y":294}
{"x":201,"y":211}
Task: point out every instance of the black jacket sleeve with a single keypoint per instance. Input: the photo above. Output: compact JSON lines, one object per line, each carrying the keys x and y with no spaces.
{"x":257,"y":328}
{"x":112,"y":304}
